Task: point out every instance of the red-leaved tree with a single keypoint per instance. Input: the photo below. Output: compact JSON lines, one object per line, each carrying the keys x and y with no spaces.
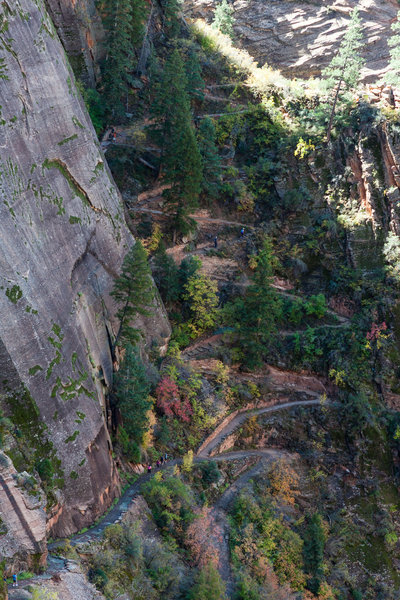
{"x":171,"y":402}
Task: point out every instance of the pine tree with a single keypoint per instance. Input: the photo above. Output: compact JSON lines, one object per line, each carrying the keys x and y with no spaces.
{"x":172,"y":18}
{"x":211,"y":183}
{"x":134,"y":290}
{"x":393,"y":75}
{"x":255,"y":316}
{"x":195,"y":81}
{"x":180,"y":160}
{"x":170,"y":98}
{"x":120,"y":57}
{"x":139,"y":13}
{"x":224,"y":19}
{"x":166,"y":275}
{"x":187,"y":269}
{"x":182,"y":169}
{"x":131,"y":390}
{"x":313,"y":551}
{"x":343,"y":73}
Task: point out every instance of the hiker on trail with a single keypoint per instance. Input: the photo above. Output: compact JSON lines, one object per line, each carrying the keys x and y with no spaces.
{"x":114,"y":136}
{"x":158,"y":463}
{"x":15,"y":582}
{"x":166,"y":457}
{"x":242,"y":232}
{"x":162,"y":460}
{"x":216,"y":242}
{"x":149,"y":469}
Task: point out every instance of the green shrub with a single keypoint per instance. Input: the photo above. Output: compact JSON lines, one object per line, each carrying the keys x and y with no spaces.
{"x":98,"y":577}
{"x":210,"y":472}
{"x":171,"y":502}
{"x":45,"y":470}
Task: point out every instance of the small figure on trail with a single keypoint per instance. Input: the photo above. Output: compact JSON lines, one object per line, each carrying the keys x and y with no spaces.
{"x":216,"y":242}
{"x":158,"y":463}
{"x":149,"y":469}
{"x":242,"y":232}
{"x":114,"y":136}
{"x":15,"y":582}
{"x":162,"y":460}
{"x":5,"y":580}
{"x":166,"y":457}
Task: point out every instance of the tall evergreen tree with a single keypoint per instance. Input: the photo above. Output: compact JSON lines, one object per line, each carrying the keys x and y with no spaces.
{"x":211,"y":183}
{"x":195,"y":81}
{"x":189,"y":267}
{"x":224,"y":19}
{"x":171,"y":99}
{"x":131,"y":390}
{"x":313,"y":551}
{"x":393,"y":74}
{"x":255,"y":316}
{"x":120,"y":56}
{"x":139,"y":13}
{"x":180,"y":160}
{"x":182,"y":169}
{"x":172,"y":17}
{"x":134,"y":290}
{"x":166,"y":275}
{"x":343,"y":73}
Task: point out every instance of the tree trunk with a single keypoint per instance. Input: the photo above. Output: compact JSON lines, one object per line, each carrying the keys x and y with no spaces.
{"x":328,"y":131}
{"x":121,"y":324}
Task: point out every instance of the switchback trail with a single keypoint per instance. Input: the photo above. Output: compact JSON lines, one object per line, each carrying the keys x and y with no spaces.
{"x":264,"y":456}
{"x":213,"y":440}
{"x":116,"y":513}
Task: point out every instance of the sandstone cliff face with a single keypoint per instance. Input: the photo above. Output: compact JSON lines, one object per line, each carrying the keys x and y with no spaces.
{"x":63,"y":238}
{"x":81,"y":32}
{"x":300,"y":38}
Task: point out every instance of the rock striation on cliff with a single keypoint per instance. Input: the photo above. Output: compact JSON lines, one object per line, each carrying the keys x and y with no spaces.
{"x":63,"y":237}
{"x":300,"y":38}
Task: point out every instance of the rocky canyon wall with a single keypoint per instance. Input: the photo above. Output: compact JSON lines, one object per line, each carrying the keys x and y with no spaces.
{"x":63,"y":237}
{"x":300,"y":38}
{"x":80,"y":29}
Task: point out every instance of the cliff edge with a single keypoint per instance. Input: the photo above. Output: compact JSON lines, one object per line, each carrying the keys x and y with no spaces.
{"x":63,"y":238}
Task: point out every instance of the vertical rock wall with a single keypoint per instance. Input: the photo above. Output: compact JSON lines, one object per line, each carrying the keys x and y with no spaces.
{"x":63,"y":237}
{"x":81,"y":32}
